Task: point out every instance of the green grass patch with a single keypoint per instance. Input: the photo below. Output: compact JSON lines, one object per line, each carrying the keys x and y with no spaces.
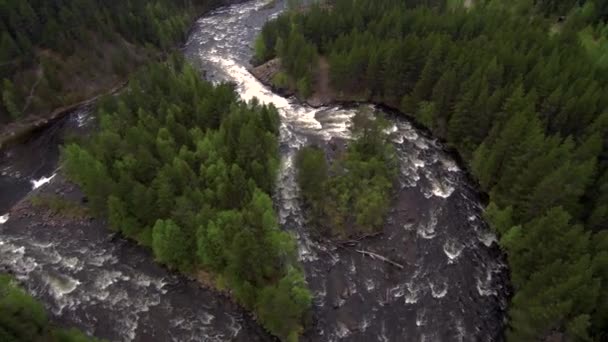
{"x":60,"y":206}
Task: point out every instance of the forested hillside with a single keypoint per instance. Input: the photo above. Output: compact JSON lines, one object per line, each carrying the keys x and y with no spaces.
{"x":22,"y":318}
{"x":55,"y":53}
{"x":525,"y":105}
{"x":185,"y":168}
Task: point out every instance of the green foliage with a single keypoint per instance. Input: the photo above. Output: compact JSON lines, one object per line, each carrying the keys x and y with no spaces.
{"x":8,"y":99}
{"x":260,"y":51}
{"x":23,"y":319}
{"x":280,"y":80}
{"x":312,"y":176}
{"x":596,"y":44}
{"x":304,"y":87}
{"x":184,"y":167}
{"x":526,"y":109}
{"x":352,"y":197}
{"x":278,"y":303}
{"x":60,"y":206}
{"x":90,"y":42}
{"x":171,"y":245}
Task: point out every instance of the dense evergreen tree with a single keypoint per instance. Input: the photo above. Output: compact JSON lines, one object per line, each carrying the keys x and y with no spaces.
{"x":23,"y":319}
{"x":521,"y":97}
{"x":184,"y":167}
{"x":352,"y":195}
{"x":81,"y":47}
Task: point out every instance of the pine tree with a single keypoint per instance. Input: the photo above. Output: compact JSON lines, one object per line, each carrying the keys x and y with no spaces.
{"x":8,"y":48}
{"x":9,"y":99}
{"x":170,"y":244}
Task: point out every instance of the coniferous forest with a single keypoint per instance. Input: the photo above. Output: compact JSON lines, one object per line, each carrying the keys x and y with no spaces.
{"x":22,"y":318}
{"x":185,"y":168}
{"x":56,"y":53}
{"x":351,"y":195}
{"x":520,"y":93}
{"x":519,"y":89}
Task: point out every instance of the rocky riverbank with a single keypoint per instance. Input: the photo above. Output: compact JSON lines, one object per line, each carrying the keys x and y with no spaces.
{"x":19,"y":131}
{"x":322,"y":95}
{"x":92,"y":278}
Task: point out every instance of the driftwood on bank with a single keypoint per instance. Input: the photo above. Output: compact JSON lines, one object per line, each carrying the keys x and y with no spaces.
{"x":354,"y":241}
{"x":379,"y":257}
{"x":347,"y":244}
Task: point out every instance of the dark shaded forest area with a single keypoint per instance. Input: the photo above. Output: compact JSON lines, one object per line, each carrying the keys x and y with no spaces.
{"x":56,"y":53}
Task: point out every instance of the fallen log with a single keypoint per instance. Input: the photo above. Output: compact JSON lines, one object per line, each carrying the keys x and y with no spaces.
{"x":379,"y":257}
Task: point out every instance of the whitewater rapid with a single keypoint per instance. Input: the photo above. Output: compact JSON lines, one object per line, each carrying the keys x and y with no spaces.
{"x":454,"y":285}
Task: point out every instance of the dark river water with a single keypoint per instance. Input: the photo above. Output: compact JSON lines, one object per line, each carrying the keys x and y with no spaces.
{"x":453,"y":286}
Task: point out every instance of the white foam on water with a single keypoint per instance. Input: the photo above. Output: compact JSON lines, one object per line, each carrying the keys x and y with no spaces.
{"x":4,"y":218}
{"x":36,"y":183}
{"x":370,"y":285}
{"x":342,"y":330}
{"x":439,"y":187}
{"x":319,"y":295}
{"x":100,"y":260}
{"x":449,"y":165}
{"x":484,"y":284}
{"x":206,"y":318}
{"x":366,"y":323}
{"x":397,"y":291}
{"x":14,"y":258}
{"x":421,"y":317}
{"x":42,"y":245}
{"x":61,"y":284}
{"x":487,"y":238}
{"x":144,"y":280}
{"x":249,"y":87}
{"x":442,"y":190}
{"x":409,"y":133}
{"x":234,"y":327}
{"x":72,"y":263}
{"x":462,"y":333}
{"x":383,"y":337}
{"x":408,"y":227}
{"x":452,"y":250}
{"x":335,"y":122}
{"x":413,"y":293}
{"x":107,"y":278}
{"x":427,"y":231}
{"x":83,"y":118}
{"x":438,"y":290}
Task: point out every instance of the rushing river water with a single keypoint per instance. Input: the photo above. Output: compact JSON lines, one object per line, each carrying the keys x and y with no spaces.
{"x":453,"y":286}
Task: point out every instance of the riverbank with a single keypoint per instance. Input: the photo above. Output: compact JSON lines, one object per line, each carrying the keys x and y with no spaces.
{"x":435,"y":252}
{"x":69,"y":290}
{"x":19,"y":131}
{"x":87,"y":83}
{"x":324,"y":95}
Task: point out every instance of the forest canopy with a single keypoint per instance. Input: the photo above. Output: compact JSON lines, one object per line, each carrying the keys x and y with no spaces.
{"x":23,"y":318}
{"x":521,"y":99}
{"x":352,"y":194}
{"x":55,"y":53}
{"x":186,"y":168}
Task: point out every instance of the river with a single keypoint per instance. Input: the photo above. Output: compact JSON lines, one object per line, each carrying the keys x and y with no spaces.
{"x":453,"y":287}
